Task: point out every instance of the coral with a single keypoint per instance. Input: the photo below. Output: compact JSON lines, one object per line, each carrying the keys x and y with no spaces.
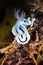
{"x":31,"y":53}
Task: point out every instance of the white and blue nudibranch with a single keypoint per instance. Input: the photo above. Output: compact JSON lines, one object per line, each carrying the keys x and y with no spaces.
{"x":21,"y":27}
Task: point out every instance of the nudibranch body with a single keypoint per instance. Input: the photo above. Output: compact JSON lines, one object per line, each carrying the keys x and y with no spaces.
{"x":20,"y":28}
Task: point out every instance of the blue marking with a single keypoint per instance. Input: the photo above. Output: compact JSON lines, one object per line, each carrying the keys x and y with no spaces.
{"x":21,"y":29}
{"x":21,"y":35}
{"x":23,"y":41}
{"x":24,"y":20}
{"x":30,"y":19}
{"x":16,"y":31}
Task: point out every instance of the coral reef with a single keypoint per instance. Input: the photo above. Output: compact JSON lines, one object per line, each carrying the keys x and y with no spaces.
{"x":28,"y":54}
